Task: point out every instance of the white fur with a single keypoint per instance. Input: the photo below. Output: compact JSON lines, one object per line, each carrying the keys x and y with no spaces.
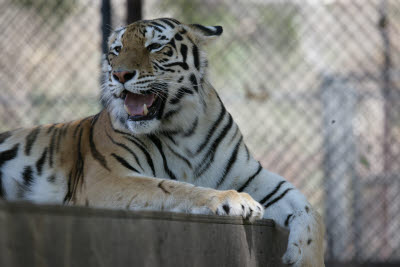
{"x":44,"y":191}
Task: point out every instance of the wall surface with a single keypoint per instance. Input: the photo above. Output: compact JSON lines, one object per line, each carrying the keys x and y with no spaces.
{"x":32,"y":235}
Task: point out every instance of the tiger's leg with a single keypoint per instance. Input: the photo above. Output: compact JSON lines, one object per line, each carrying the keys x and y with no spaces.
{"x":306,"y":237}
{"x":289,"y":208}
{"x":160,"y":194}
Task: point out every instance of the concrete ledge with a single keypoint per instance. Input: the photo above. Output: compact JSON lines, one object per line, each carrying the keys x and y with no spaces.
{"x":33,"y":235}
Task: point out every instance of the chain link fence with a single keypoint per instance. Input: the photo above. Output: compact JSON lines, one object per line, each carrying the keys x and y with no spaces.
{"x":314,"y":86}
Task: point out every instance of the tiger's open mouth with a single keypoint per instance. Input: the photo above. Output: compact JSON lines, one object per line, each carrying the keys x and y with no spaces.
{"x":144,"y":106}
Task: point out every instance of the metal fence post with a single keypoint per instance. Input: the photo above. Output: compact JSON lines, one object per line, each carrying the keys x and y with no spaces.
{"x":105,"y":23}
{"x":134,"y":10}
{"x":390,"y":100}
{"x":338,"y":103}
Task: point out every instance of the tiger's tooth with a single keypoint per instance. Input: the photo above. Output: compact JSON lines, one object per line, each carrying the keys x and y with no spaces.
{"x":126,"y":109}
{"x":145,"y":110}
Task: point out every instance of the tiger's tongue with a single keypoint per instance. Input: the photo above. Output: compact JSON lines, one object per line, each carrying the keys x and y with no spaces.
{"x":134,"y":103}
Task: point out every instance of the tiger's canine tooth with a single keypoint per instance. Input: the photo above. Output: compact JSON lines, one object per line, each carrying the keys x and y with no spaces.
{"x":145,"y":110}
{"x":126,"y":109}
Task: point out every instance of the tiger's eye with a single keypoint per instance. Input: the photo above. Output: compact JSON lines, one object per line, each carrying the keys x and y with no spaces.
{"x":153,"y":46}
{"x":117,"y":49}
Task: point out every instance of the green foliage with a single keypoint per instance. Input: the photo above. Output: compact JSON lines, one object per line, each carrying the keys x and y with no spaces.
{"x":364,"y":162}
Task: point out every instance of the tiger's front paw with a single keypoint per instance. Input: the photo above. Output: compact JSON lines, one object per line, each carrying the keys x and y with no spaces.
{"x":231,"y":203}
{"x":305,"y":246}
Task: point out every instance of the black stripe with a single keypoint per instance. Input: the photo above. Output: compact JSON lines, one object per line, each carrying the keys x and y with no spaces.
{"x":196,"y":57}
{"x":230,"y":163}
{"x":171,"y":113}
{"x":79,"y":126}
{"x":41,"y":161}
{"x":169,"y":53}
{"x":193,"y":80}
{"x":273,"y":192}
{"x":8,"y":154}
{"x":167,"y":21}
{"x":51,"y":128}
{"x":127,"y":135}
{"x":247,"y":152}
{"x":180,"y":156}
{"x":158,"y":24}
{"x":158,"y":144}
{"x":234,"y":135}
{"x":209,"y":157}
{"x":30,"y":139}
{"x":179,"y":95}
{"x":140,"y":145}
{"x":124,"y":163}
{"x":51,"y":178}
{"x":178,"y":37}
{"x":173,"y":20}
{"x":172,"y":43}
{"x":163,"y":188}
{"x":76,"y":173}
{"x":2,"y":195}
{"x":192,"y":128}
{"x":169,"y":136}
{"x":68,"y":195}
{"x":248,"y":181}
{"x":184,"y":50}
{"x":170,"y":133}
{"x":278,"y":198}
{"x":95,"y":153}
{"x":51,"y":147}
{"x":4,"y":136}
{"x":183,"y":65}
{"x":207,"y":31}
{"x":158,"y":66}
{"x":77,"y":129}
{"x":157,"y":28}
{"x":146,"y":154}
{"x":58,"y":142}
{"x":169,"y":70}
{"x":222,"y":134}
{"x":27,"y":176}
{"x":212,"y":130}
{"x":287,"y":220}
{"x":64,"y":129}
{"x":161,"y":109}
{"x":127,"y":149}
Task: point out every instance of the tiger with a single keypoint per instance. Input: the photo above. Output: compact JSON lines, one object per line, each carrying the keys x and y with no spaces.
{"x":162,"y":141}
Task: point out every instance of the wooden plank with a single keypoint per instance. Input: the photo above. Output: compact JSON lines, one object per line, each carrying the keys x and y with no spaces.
{"x":33,"y":235}
{"x":361,"y":264}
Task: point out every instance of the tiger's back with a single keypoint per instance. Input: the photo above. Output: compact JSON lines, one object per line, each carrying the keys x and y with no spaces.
{"x":35,"y":163}
{"x":57,"y":163}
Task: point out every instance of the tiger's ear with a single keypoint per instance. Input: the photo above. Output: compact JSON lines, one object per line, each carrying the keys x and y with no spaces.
{"x":205,"y":34}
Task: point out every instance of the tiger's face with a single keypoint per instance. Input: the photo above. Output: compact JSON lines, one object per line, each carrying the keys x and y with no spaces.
{"x":153,"y":75}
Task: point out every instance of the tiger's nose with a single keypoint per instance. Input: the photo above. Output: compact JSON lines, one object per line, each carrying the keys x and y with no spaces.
{"x":123,"y":76}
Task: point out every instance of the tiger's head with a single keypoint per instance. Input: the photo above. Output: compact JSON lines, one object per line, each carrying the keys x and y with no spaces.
{"x":153,"y":74}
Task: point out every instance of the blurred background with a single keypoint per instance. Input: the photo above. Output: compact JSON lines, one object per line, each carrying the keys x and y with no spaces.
{"x":313,"y":84}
